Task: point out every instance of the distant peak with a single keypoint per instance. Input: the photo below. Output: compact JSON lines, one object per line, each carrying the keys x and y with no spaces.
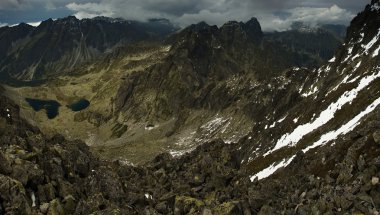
{"x":69,"y":18}
{"x":158,"y":20}
{"x":253,"y":29}
{"x":46,"y":22}
{"x":231,"y":23}
{"x":253,"y":20}
{"x":199,"y":26}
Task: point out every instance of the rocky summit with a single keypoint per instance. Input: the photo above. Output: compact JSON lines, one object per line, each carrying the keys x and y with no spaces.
{"x":207,"y":120}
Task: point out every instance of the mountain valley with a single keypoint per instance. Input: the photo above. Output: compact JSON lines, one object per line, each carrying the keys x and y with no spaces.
{"x":203,"y":120}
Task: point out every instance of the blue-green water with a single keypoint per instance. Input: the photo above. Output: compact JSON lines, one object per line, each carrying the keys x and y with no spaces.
{"x":51,"y":106}
{"x":79,"y":105}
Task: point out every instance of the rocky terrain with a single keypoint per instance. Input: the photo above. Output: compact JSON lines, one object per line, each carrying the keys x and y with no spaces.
{"x":257,"y":133}
{"x":54,"y":176}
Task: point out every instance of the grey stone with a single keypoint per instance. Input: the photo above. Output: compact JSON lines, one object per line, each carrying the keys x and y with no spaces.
{"x":44,"y":208}
{"x":206,"y":211}
{"x":69,"y":204}
{"x":375,"y":181}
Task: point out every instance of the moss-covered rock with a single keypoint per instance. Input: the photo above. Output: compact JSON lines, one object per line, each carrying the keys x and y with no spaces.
{"x":188,"y":205}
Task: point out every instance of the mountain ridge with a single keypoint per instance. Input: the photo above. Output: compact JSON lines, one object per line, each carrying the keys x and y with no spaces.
{"x":55,"y":46}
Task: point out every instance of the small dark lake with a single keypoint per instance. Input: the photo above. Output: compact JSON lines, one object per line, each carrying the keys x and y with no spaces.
{"x":51,"y":106}
{"x":79,"y":105}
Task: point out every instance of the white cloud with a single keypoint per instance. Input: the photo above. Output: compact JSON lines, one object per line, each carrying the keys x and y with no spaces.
{"x":3,"y":24}
{"x":90,"y":10}
{"x":309,"y":15}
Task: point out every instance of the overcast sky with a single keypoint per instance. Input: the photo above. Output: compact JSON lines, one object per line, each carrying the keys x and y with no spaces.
{"x":272,"y":14}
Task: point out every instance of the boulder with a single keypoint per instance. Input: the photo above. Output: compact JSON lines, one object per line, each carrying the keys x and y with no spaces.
{"x":5,"y":166}
{"x":228,"y":208}
{"x":56,"y":208}
{"x":188,"y":205}
{"x":206,"y":211}
{"x":162,"y":208}
{"x":375,"y":181}
{"x":13,"y":193}
{"x":69,"y":204}
{"x":44,"y":208}
{"x":46,"y":192}
{"x":376,"y":136}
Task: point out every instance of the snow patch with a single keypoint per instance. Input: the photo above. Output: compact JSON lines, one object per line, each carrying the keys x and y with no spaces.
{"x":332,"y":60}
{"x":33,"y":197}
{"x":349,"y":126}
{"x":313,"y":91}
{"x":179,"y":153}
{"x":295,"y":120}
{"x":272,"y":169}
{"x":361,"y":38}
{"x":357,"y":66}
{"x":349,"y":54}
{"x":282,"y":119}
{"x":150,"y":127}
{"x":214,"y":124}
{"x":148,"y":196}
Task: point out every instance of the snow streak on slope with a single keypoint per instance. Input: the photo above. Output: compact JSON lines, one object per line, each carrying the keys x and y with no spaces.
{"x":371,"y":43}
{"x":294,"y":137}
{"x":349,"y":126}
{"x":272,"y":169}
{"x":376,"y":52}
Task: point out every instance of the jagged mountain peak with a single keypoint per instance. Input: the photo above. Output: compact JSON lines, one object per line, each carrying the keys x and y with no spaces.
{"x":367,"y":21}
{"x":198,"y":27}
{"x":253,"y":28}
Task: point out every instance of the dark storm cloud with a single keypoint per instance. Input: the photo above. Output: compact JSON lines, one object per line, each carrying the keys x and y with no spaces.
{"x":273,"y":14}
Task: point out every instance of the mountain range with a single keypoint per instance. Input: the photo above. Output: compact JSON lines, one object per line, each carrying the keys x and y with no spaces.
{"x":203,"y":120}
{"x":54,"y":46}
